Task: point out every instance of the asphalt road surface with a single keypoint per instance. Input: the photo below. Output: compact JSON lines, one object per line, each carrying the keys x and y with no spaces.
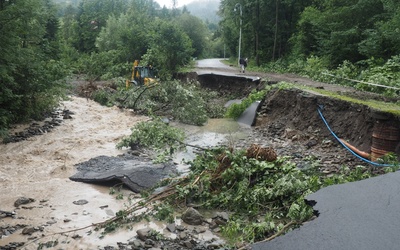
{"x":213,"y":63}
{"x":359,"y":215}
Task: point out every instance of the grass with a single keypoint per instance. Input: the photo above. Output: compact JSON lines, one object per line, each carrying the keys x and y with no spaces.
{"x":387,"y":107}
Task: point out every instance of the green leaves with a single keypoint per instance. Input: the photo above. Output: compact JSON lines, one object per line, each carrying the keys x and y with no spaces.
{"x":30,"y":71}
{"x":156,"y":135}
{"x":263,"y":198}
{"x":235,"y":110}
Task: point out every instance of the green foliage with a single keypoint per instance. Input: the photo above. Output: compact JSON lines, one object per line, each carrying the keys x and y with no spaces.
{"x":132,"y":41}
{"x":391,"y":159}
{"x":30,"y":71}
{"x":248,"y":188}
{"x":170,"y":47}
{"x":197,"y":32}
{"x":102,"y":65}
{"x":102,"y":96}
{"x":156,"y":135}
{"x":154,"y":234}
{"x":187,"y":103}
{"x":235,"y":110}
{"x":262,"y":197}
{"x":164,"y":212}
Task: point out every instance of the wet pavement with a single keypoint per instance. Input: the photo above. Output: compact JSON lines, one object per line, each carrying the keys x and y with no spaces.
{"x":216,"y":67}
{"x":358,"y":215}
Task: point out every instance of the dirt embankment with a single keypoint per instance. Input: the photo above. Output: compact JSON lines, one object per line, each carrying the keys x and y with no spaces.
{"x":299,"y":110}
{"x":293,"y":114}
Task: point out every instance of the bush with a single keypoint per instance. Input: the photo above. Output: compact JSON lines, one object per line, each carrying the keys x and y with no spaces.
{"x":187,"y":103}
{"x":235,"y":110}
{"x":155,"y":135}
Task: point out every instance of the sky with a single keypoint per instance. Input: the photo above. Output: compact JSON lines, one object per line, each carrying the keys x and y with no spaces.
{"x":168,"y":3}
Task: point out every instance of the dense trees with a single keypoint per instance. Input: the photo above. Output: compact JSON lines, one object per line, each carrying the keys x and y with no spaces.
{"x":267,"y":26}
{"x":29,"y":67}
{"x":337,"y":30}
{"x":166,"y":38}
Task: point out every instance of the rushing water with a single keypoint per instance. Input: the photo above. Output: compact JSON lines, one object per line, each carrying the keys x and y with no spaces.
{"x":214,"y":133}
{"x":39,"y":168}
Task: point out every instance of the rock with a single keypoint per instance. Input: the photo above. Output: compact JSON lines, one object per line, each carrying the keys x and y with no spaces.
{"x":182,"y":235}
{"x":192,"y":217}
{"x":80,"y":202}
{"x":123,"y":246}
{"x":22,"y":201}
{"x":171,"y":227}
{"x":221,"y":215}
{"x":199,"y":230}
{"x":311,"y":143}
{"x":109,"y":212}
{"x":76,"y":236}
{"x":4,"y":214}
{"x":143,"y":233}
{"x":215,"y":245}
{"x":136,"y":244}
{"x":51,"y":222}
{"x":217,"y":230}
{"x":109,"y":248}
{"x":149,"y":242}
{"x":213,"y":225}
{"x":220,"y":221}
{"x":28,"y":230}
{"x":188,"y":244}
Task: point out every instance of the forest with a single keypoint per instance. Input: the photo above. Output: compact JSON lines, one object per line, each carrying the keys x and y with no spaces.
{"x":44,"y":42}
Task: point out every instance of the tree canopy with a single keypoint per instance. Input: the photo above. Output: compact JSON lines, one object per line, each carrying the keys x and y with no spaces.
{"x":352,"y":30}
{"x":30,"y":69}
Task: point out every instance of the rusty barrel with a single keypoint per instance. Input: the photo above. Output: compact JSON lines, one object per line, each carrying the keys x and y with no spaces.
{"x":385,"y":137}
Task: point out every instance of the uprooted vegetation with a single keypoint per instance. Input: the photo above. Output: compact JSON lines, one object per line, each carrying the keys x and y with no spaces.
{"x":263,"y":193}
{"x":186,"y":103}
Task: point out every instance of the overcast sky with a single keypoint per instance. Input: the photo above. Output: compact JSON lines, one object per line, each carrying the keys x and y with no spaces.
{"x":168,"y":3}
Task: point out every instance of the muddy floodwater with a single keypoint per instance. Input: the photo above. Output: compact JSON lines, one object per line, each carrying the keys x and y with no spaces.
{"x":40,"y":167}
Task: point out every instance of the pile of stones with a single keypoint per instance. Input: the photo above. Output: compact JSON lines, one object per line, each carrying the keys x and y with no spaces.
{"x":38,"y":128}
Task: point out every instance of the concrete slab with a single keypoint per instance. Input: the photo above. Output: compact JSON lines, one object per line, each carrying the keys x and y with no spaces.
{"x":359,"y":215}
{"x":248,"y":117}
{"x":135,"y":172}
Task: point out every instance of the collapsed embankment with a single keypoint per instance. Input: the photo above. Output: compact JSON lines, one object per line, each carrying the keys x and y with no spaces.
{"x":297,"y":109}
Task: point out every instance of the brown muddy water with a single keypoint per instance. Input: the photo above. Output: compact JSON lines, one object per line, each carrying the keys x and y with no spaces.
{"x":40,"y":167}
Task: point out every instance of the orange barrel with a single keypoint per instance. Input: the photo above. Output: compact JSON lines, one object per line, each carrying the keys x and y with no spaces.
{"x":385,"y":137}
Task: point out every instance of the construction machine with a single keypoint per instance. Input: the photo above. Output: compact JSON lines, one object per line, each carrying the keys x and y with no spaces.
{"x":142,"y":75}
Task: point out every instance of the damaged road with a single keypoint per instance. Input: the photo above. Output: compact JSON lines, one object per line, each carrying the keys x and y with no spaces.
{"x":357,"y":215}
{"x":137,"y":173}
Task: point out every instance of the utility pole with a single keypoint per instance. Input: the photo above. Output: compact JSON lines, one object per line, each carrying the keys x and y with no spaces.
{"x":240,"y":29}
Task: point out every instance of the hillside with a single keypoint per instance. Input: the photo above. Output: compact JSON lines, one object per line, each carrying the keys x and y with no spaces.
{"x":205,"y":10}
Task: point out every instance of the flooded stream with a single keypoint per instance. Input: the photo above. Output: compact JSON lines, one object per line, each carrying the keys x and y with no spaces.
{"x":40,"y":167}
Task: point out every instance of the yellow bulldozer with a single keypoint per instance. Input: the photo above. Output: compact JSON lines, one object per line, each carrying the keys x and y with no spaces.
{"x":142,"y":75}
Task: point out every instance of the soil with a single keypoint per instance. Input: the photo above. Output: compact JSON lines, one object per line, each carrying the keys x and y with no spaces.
{"x":38,"y":167}
{"x":298,"y":110}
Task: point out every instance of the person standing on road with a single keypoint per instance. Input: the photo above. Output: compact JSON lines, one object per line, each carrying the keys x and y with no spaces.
{"x":243,"y":64}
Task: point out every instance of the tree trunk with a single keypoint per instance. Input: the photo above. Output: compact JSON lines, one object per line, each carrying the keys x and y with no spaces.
{"x":276,"y":29}
{"x":257,"y":33}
